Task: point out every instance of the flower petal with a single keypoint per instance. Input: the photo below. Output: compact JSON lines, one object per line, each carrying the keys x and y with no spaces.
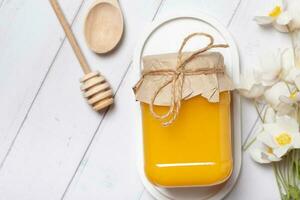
{"x":262,"y":153}
{"x":293,"y":8}
{"x":266,"y":139}
{"x":281,"y":28}
{"x":272,"y":157}
{"x":249,"y":88}
{"x":269,"y":71}
{"x":281,"y":151}
{"x":256,"y":155}
{"x":284,"y":18}
{"x":270,"y":116}
{"x":287,"y":123}
{"x":272,"y":94}
{"x":297,"y":81}
{"x":263,"y":20}
{"x":296,"y":140}
{"x":286,"y":109}
{"x":293,"y":73}
{"x":286,"y":106}
{"x":284,"y":5}
{"x":287,"y":62}
{"x":297,"y":98}
{"x":286,"y":100}
{"x":256,"y":91}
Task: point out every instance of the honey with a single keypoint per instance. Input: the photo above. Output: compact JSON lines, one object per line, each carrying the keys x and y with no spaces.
{"x":195,"y":150}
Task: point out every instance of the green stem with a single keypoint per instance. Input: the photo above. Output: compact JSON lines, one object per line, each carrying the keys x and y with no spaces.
{"x":284,"y":184}
{"x":246,"y":146}
{"x":278,"y":181}
{"x":257,"y":110}
{"x":286,"y":167}
{"x":288,"y":86}
{"x":265,"y":114}
{"x":296,"y":160}
{"x":297,"y":113}
{"x":245,"y":143}
{"x":291,"y":169}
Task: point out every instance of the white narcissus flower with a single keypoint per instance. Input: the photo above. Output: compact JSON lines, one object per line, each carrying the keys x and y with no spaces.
{"x":262,"y":153}
{"x":272,"y":94}
{"x":277,"y":17}
{"x":281,"y":136}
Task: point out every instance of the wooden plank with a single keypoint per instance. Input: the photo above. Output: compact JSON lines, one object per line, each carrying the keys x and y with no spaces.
{"x":253,"y":42}
{"x":61,"y":125}
{"x":222,"y":10}
{"x":112,"y":155}
{"x":29,"y":41}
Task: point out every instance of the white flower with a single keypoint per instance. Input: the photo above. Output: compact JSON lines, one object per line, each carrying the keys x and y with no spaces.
{"x":272,"y":94}
{"x":281,"y":136}
{"x":270,"y":115}
{"x":290,"y":65}
{"x":261,"y":153}
{"x":292,"y":7}
{"x":277,"y":17}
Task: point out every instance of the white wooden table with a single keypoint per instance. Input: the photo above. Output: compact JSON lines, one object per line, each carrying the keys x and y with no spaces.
{"x":52,"y":145}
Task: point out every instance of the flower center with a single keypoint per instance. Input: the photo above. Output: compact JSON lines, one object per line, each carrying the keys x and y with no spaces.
{"x":283,"y":138}
{"x":275,"y":12}
{"x":293,"y":95}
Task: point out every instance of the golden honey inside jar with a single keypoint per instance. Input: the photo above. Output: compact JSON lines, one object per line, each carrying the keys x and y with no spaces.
{"x":195,"y":150}
{"x":186,"y":119}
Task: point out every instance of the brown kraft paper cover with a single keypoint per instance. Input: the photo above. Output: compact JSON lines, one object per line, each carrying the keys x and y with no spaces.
{"x":207,"y":85}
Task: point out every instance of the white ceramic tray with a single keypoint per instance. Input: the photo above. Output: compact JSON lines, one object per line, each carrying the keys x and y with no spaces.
{"x":164,"y":36}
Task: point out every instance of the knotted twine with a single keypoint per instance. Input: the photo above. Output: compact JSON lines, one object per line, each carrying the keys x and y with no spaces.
{"x":177,"y":77}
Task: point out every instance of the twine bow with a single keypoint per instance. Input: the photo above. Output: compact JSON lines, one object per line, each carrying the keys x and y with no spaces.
{"x":177,"y":76}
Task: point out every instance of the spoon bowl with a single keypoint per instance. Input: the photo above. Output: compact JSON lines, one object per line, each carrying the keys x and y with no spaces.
{"x":103,"y":26}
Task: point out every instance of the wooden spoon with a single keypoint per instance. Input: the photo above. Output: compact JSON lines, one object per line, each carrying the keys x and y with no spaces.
{"x":103,"y":26}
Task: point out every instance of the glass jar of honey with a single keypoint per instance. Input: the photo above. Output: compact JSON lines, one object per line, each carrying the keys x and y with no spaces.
{"x":186,"y":119}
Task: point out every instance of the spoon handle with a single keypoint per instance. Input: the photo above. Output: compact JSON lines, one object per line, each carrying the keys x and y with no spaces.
{"x":60,"y":15}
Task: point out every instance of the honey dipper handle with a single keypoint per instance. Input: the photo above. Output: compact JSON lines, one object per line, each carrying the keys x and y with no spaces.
{"x":60,"y":15}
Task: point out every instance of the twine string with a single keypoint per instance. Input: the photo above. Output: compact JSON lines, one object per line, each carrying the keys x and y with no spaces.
{"x":177,"y":77}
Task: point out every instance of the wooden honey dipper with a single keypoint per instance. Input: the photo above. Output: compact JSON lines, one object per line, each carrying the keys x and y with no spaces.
{"x":94,"y":86}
